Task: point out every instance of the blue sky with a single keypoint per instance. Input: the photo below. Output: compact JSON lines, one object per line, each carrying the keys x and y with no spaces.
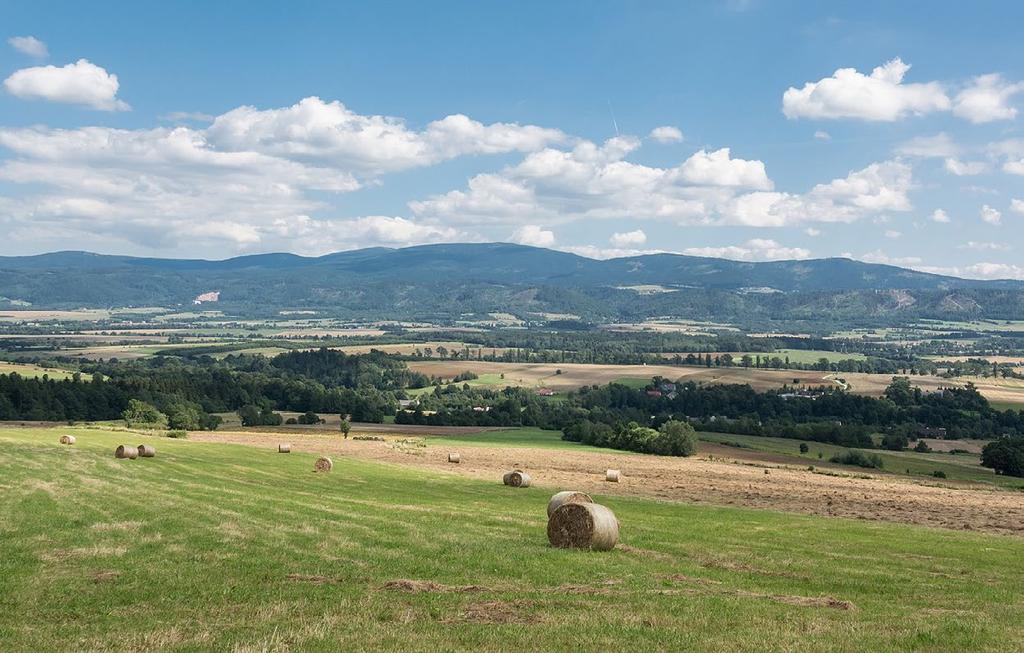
{"x":603,"y":128}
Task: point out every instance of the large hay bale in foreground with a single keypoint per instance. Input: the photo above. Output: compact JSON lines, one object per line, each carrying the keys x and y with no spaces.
{"x":123,"y":451}
{"x":568,"y":496}
{"x":67,"y":439}
{"x":284,"y":447}
{"x":583,"y":526}
{"x":516,"y":478}
{"x":612,"y":476}
{"x":323,"y":464}
{"x":454,"y":458}
{"x":146,"y":451}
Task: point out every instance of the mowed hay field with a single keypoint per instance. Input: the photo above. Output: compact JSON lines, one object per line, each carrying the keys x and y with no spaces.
{"x":1007,"y":392}
{"x":213,"y":546}
{"x":574,"y":375}
{"x":34,"y":371}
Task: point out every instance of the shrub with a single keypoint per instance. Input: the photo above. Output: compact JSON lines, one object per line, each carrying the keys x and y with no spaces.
{"x":895,"y":442}
{"x":858,"y":458}
{"x":178,"y":434}
{"x":938,"y":473}
{"x":139,"y":413}
{"x":309,"y":417}
{"x":291,"y":420}
{"x":1005,"y":456}
{"x":675,"y":438}
{"x":922,"y":447}
{"x":804,"y":448}
{"x":252,"y":415}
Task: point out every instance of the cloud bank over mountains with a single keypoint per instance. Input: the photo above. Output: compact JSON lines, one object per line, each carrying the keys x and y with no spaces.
{"x":258,"y":179}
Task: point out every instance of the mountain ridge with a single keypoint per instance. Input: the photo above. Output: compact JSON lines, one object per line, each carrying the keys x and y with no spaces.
{"x":446,"y":281}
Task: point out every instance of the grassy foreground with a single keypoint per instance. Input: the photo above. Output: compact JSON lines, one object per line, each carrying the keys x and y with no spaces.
{"x":222,"y":547}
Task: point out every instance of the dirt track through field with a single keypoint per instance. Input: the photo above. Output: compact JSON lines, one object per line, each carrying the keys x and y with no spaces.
{"x":718,"y":481}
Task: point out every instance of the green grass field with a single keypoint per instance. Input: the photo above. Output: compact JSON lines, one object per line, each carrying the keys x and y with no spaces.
{"x":490,"y":381}
{"x":211,"y":547}
{"x":632,"y":382}
{"x":34,"y":371}
{"x":961,"y":467}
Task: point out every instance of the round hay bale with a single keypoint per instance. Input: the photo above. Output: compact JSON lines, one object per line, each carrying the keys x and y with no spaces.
{"x":146,"y":451}
{"x":583,"y":526}
{"x":568,"y":496}
{"x":284,"y":447}
{"x":67,"y":439}
{"x":323,"y":464}
{"x":123,"y":451}
{"x":516,"y":478}
{"x":454,"y":458}
{"x":612,"y":476}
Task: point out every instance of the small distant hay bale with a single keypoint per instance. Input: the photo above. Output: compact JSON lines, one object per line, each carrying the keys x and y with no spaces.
{"x":583,"y":526}
{"x":454,"y":458}
{"x":126,"y":452}
{"x":146,"y":451}
{"x":612,"y":476}
{"x":568,"y":496}
{"x":323,"y":464}
{"x":67,"y":439}
{"x":284,"y":447}
{"x":516,"y":478}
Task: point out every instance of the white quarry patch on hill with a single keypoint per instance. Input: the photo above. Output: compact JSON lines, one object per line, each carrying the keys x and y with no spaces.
{"x":212,"y":296}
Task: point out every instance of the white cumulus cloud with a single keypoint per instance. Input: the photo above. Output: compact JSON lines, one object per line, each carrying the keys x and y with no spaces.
{"x":757,"y":249}
{"x":880,"y":257}
{"x":1017,"y":206}
{"x":332,"y":133}
{"x":880,"y":96}
{"x":243,"y":183}
{"x":667,"y":134}
{"x":531,"y":234}
{"x":82,"y":83}
{"x":987,"y":99}
{"x":965,"y":168}
{"x":991,"y":215}
{"x":628,"y":239}
{"x":985,"y":270}
{"x":939,"y":215}
{"x":718,"y":168}
{"x":29,"y":45}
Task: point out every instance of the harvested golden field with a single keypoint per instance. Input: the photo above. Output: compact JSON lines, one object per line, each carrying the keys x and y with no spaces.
{"x":33,"y":371}
{"x":330,"y":333}
{"x":1007,"y":391}
{"x":1011,"y":360}
{"x":717,"y":475}
{"x":574,"y":375}
{"x":84,"y":315}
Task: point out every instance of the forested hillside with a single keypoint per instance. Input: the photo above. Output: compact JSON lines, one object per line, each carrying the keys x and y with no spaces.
{"x":446,"y":281}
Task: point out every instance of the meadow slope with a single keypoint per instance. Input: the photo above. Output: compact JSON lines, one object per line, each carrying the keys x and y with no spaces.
{"x":212,"y":547}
